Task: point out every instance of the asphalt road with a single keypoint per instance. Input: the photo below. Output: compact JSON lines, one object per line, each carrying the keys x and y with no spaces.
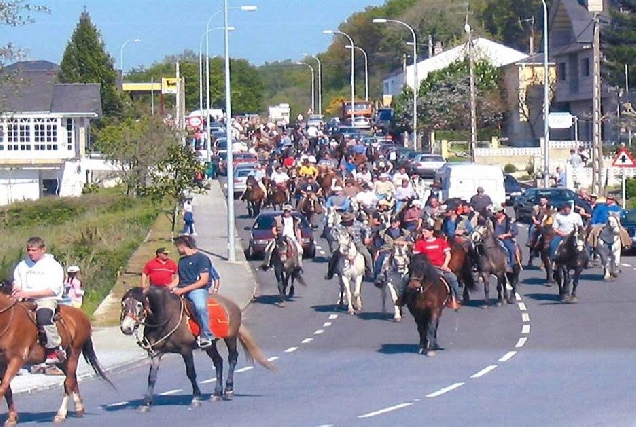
{"x":537,"y":362}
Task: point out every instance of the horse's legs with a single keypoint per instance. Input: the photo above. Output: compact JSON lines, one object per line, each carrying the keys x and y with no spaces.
{"x":575,"y":282}
{"x":616,"y":248}
{"x":71,"y":388}
{"x":280,"y":279}
{"x":12,"y":414}
{"x":486,"y":279}
{"x":422,"y":328}
{"x":346,"y":284}
{"x":397,"y":316}
{"x":155,"y":360}
{"x":10,"y":371}
{"x":232,"y":359}
{"x":357,"y":294}
{"x":188,"y":359}
{"x":383,"y":290}
{"x":502,"y":290}
{"x":213,"y":352}
{"x":431,"y":335}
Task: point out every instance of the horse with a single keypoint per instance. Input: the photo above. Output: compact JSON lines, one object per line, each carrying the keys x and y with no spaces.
{"x":460,"y":265}
{"x":332,"y":221}
{"x":350,"y":271}
{"x":286,"y":268}
{"x":277,"y":195}
{"x":254,"y":196}
{"x":20,"y":345}
{"x":425,"y":296}
{"x":395,"y":268}
{"x":571,"y":254}
{"x":165,"y":317}
{"x":546,"y":235}
{"x":310,"y":206}
{"x":492,"y":261}
{"x":609,"y":247}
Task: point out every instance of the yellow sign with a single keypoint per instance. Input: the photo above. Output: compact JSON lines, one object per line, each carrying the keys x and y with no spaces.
{"x":169,"y":85}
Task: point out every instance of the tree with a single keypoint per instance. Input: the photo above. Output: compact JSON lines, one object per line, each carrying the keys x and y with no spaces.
{"x":619,"y":43}
{"x":85,"y":60}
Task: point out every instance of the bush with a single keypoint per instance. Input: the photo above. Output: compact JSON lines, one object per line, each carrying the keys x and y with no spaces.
{"x":510,"y":168}
{"x":630,"y":188}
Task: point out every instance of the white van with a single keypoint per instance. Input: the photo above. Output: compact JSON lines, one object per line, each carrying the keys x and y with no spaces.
{"x":462,"y":179}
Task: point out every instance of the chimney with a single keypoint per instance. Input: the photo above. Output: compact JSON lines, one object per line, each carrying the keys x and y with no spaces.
{"x":438,"y":48}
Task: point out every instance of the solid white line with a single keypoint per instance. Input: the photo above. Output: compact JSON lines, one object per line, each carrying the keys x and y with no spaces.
{"x":506,"y":357}
{"x":245,"y":369}
{"x":306,"y":340}
{"x":114,"y":405}
{"x":445,"y":390}
{"x":525,"y":329}
{"x":626,"y":265}
{"x":385,"y":410}
{"x":521,"y":342}
{"x":525,"y":317}
{"x":517,"y":296}
{"x":522,"y":306}
{"x":290,"y":349}
{"x":167,"y":393}
{"x":211,"y":380}
{"x":271,"y":359}
{"x":484,"y":371}
{"x":319,"y":331}
{"x":326,"y":324}
{"x":333,"y":316}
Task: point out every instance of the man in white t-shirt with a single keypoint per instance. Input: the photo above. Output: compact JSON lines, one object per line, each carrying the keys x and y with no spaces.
{"x":367,"y":198}
{"x":288,"y":226}
{"x":399,"y":176}
{"x":564,"y":222}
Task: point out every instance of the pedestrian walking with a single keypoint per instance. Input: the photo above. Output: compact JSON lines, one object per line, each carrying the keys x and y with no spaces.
{"x":73,"y":286}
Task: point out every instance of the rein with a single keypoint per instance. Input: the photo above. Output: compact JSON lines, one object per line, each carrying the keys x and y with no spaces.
{"x":150,"y":347}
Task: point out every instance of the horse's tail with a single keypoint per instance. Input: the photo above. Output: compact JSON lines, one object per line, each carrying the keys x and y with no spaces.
{"x":296,"y":275}
{"x":252,"y":350}
{"x":88,"y":351}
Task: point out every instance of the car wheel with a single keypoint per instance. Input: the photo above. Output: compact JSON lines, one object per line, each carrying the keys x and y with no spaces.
{"x":250,"y":252}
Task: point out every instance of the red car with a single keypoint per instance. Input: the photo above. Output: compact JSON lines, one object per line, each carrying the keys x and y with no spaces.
{"x":261,"y":234}
{"x":244,"y":158}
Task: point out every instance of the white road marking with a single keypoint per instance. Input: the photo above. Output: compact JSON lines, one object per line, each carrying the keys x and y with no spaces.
{"x":319,"y":331}
{"x":522,"y":341}
{"x":271,"y":359}
{"x":291,"y":349}
{"x":322,"y":252}
{"x":333,"y":316}
{"x":245,"y":369}
{"x":517,"y":296}
{"x":506,"y":357}
{"x":211,"y":380}
{"x":385,"y":410}
{"x":168,"y":393}
{"x":522,"y":306}
{"x":326,"y":324}
{"x":484,"y":371}
{"x":318,"y":247}
{"x":626,"y":265}
{"x":525,"y":317}
{"x":445,"y":390}
{"x":525,"y":329}
{"x":114,"y":405}
{"x":306,"y":340}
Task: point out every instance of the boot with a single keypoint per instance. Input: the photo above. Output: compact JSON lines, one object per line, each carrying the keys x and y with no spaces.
{"x":331,"y":266}
{"x":453,"y":304}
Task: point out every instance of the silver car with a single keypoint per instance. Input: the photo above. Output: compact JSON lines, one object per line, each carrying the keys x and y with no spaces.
{"x":240,"y":180}
{"x":425,"y":165}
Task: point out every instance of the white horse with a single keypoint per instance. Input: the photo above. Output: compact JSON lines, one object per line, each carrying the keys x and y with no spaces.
{"x":396,"y":266}
{"x":350,"y":271}
{"x":609,"y":247}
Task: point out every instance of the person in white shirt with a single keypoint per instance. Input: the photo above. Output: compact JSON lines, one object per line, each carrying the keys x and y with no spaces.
{"x":39,"y":277}
{"x":564,"y":222}
{"x":279,"y":177}
{"x":367,"y":199}
{"x":400,"y":176}
{"x":403,"y":193}
{"x":363,"y":173}
{"x":289,"y":226}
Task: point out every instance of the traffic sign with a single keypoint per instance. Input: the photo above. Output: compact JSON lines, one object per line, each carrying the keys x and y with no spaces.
{"x":194,"y":121}
{"x":624,"y":159}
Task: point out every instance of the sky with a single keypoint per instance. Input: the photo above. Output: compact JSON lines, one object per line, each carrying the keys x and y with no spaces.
{"x":278,"y":30}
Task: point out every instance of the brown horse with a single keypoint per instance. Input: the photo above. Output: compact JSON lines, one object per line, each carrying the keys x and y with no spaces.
{"x":425,"y":296}
{"x":165,"y":319}
{"x":546,"y":233}
{"x":254,"y":196}
{"x":310,"y":206}
{"x":277,"y":196}
{"x":460,"y":264}
{"x":19,"y":345}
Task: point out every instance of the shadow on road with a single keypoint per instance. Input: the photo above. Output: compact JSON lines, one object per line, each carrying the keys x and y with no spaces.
{"x":545,"y":297}
{"x":328,"y":308}
{"x":266,"y":299}
{"x":402,"y":348}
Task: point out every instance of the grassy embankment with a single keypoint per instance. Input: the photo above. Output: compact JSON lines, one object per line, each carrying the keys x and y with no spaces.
{"x":98,"y":232}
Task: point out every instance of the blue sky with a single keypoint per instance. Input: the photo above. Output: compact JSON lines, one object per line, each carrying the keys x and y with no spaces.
{"x":278,"y":30}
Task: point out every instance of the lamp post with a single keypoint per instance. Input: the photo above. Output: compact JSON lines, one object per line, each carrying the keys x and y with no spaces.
{"x":319,"y":82}
{"x":121,"y":54}
{"x":415,"y":79}
{"x":313,"y":90}
{"x":546,"y":100}
{"x":366,"y":70}
{"x":207,"y":59}
{"x":352,"y":77}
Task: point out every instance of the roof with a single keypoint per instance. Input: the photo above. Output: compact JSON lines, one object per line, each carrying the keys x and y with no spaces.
{"x":32,"y":88}
{"x":571,"y":25}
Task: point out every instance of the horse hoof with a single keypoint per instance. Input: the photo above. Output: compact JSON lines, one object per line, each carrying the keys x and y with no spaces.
{"x":216,"y":398}
{"x":10,"y":423}
{"x":281,"y":304}
{"x":79,"y":413}
{"x":351,"y":312}
{"x":228,"y":395}
{"x":143,"y":408}
{"x":397,"y":319}
{"x":607,"y":279}
{"x":565,"y":298}
{"x":430,"y":353}
{"x":499,"y":303}
{"x":485,"y":307}
{"x":549,"y":284}
{"x":59,"y":419}
{"x":574,"y":299}
{"x":196,"y":402}
{"x":511,"y":300}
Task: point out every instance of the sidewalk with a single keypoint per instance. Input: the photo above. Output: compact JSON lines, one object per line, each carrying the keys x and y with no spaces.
{"x":114,"y":349}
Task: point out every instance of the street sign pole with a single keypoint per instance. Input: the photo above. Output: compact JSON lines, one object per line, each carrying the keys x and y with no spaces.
{"x":623,"y":179}
{"x":624,"y":159}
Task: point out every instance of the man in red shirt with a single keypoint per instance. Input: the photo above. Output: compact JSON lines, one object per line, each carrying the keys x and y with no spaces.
{"x":159,"y":271}
{"x":439,"y":252}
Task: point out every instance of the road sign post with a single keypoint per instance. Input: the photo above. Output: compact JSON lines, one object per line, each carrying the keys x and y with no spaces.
{"x":623,"y":159}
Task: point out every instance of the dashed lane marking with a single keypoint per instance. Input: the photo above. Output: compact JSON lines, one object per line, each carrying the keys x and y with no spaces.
{"x":506,"y":357}
{"x":326,"y":324}
{"x":333,"y":316}
{"x":306,"y":340}
{"x":271,"y":359}
{"x":168,"y":393}
{"x":626,"y":265}
{"x":319,"y":331}
{"x":525,"y":317}
{"x":115,"y":405}
{"x":525,"y":329}
{"x":211,"y":380}
{"x":291,"y":350}
{"x":484,"y":371}
{"x":522,"y":341}
{"x":517,"y":296}
{"x":322,"y":252}
{"x":445,"y":390}
{"x":245,"y":369}
{"x":522,"y":306}
{"x":385,"y":410}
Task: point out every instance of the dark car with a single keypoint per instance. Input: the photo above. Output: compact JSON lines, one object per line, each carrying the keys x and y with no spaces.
{"x":513,"y":189}
{"x":383,"y":118}
{"x":261,"y":234}
{"x":629,"y":223}
{"x":524,"y":203}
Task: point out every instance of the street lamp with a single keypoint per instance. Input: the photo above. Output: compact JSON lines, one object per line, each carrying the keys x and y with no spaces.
{"x":313,"y":90}
{"x":366,"y":70}
{"x":207,"y":59}
{"x":415,"y":79}
{"x":352,"y":78}
{"x":319,"y":82}
{"x":121,"y":54}
{"x":546,"y":100}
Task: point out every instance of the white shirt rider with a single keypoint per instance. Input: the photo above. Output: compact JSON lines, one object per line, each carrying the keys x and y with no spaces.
{"x":398,"y":177}
{"x":46,"y":273}
{"x":288,"y":227}
{"x":367,"y":198}
{"x":564,"y":224}
{"x":280,"y":177}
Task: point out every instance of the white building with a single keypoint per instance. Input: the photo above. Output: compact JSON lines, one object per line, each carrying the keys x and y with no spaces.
{"x":483,"y":49}
{"x":43,"y":132}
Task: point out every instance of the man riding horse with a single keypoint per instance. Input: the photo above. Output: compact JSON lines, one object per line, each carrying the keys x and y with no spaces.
{"x":361,"y":235}
{"x":564,"y":222}
{"x":599,"y":219}
{"x":391,"y":236}
{"x":280,"y":181}
{"x":506,"y":230}
{"x":288,"y":227}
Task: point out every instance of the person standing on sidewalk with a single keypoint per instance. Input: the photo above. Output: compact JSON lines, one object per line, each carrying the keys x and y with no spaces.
{"x":159,"y":271}
{"x":188,"y":218}
{"x":73,"y":286}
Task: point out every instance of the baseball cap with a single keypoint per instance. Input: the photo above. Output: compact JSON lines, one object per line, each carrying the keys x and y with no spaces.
{"x":162,"y":251}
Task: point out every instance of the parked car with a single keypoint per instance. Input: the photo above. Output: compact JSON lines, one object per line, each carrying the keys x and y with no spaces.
{"x":425,"y":165}
{"x":524,"y":203}
{"x":349,"y":132}
{"x":629,"y":223}
{"x":240,"y":180}
{"x":315,"y":120}
{"x":513,"y":188}
{"x":239,"y":158}
{"x":261,"y":234}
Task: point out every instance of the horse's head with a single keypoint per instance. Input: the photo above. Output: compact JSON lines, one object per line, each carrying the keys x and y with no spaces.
{"x":401,"y":257}
{"x":613,"y":223}
{"x":134,"y":310}
{"x":345,"y":244}
{"x":478,"y":234}
{"x":576,"y":239}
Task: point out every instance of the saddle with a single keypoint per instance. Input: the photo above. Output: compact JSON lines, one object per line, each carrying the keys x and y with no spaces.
{"x":219,"y":318}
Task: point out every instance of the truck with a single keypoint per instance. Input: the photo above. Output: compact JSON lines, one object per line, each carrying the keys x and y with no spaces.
{"x":279,"y":114}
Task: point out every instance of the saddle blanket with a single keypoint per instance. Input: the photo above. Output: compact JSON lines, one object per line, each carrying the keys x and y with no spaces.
{"x":219,"y":320}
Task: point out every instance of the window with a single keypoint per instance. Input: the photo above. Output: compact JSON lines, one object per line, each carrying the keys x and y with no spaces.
{"x":45,"y":134}
{"x":562,"y":71}
{"x":585,"y":67}
{"x":69,"y":134}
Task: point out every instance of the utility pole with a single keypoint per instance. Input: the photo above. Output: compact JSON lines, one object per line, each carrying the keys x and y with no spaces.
{"x":430,"y":45}
{"x":473,"y":101}
{"x":597,"y":149}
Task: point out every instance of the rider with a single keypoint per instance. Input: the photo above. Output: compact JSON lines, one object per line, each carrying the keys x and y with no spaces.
{"x":310,"y":186}
{"x":384,"y":188}
{"x":338,"y":201}
{"x":366,"y":199}
{"x":389,"y":237}
{"x":361,"y":235}
{"x":457,"y":226}
{"x":258,"y":173}
{"x":281,"y":179}
{"x":39,"y":277}
{"x":400,"y":176}
{"x":439,"y":252}
{"x":506,"y":230}
{"x":600,"y":215}
{"x":540,"y":213}
{"x":403,"y":194}
{"x":480,"y":201}
{"x":289,"y":226}
{"x":307,"y":170}
{"x":564,"y":222}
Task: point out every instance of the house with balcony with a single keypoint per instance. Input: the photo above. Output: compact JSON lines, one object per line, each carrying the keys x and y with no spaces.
{"x":44,"y":129}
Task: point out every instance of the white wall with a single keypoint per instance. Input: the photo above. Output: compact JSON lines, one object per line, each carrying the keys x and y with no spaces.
{"x":18,"y":185}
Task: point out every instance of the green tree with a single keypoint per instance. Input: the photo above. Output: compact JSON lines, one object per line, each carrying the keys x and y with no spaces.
{"x":85,"y":60}
{"x":619,"y":43}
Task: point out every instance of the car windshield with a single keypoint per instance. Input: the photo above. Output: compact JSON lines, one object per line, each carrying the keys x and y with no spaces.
{"x":266,"y":222}
{"x":431,"y":159}
{"x":243,"y":173}
{"x":555,"y":194}
{"x":630,"y":216}
{"x":385,"y":115}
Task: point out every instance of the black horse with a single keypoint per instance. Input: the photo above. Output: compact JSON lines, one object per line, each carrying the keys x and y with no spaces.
{"x":425,"y":296}
{"x":493,"y":261}
{"x":165,"y":320}
{"x":570,"y":255}
{"x":286,"y":268}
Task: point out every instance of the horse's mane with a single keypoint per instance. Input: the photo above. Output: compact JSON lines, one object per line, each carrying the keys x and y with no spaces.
{"x":421,"y":266}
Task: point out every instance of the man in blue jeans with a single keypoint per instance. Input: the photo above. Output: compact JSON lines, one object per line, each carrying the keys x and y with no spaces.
{"x":195,"y":277}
